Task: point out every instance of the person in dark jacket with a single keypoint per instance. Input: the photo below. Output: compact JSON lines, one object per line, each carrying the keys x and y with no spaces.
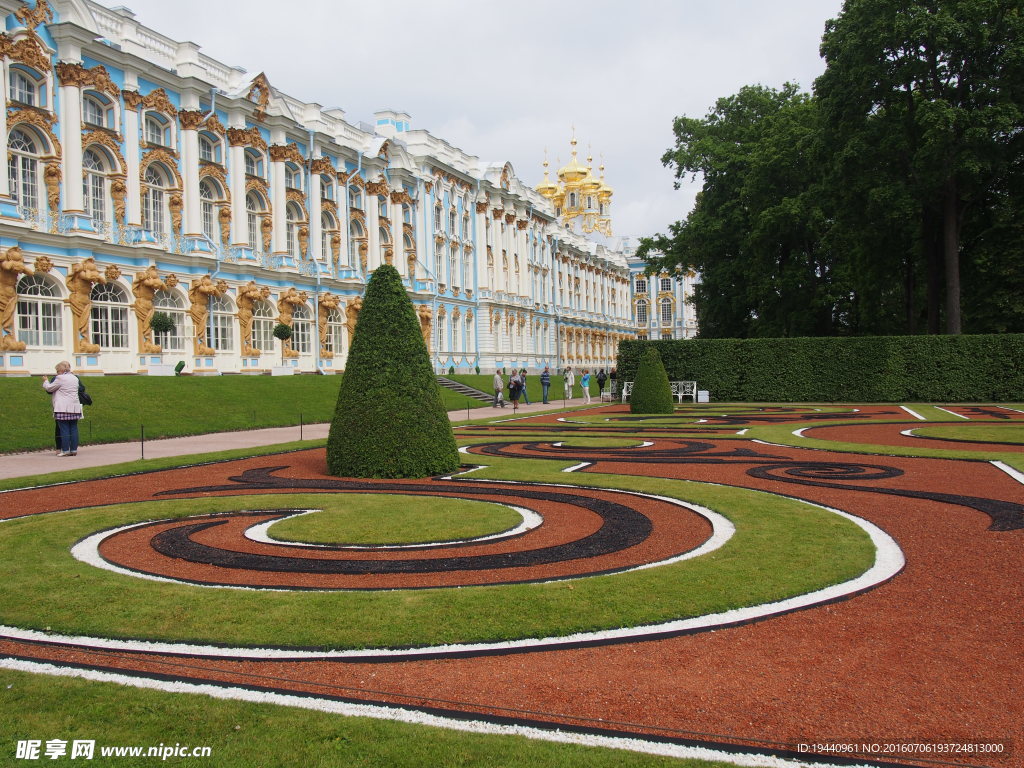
{"x":545,"y":383}
{"x":602,"y":377}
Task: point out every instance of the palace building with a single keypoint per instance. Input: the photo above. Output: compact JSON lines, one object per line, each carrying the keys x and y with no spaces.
{"x":158,"y":206}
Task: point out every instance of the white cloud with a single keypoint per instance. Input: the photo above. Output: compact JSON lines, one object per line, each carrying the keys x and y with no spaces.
{"x":505,"y":80}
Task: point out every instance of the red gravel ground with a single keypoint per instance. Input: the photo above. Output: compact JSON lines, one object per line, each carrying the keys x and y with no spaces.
{"x":933,"y":655}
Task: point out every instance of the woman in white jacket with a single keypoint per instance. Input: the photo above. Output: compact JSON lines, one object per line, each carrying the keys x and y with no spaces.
{"x":67,"y":409}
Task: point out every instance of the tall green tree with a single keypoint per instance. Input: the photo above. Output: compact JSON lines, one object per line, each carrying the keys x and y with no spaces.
{"x":755,"y":233}
{"x":942,"y":81}
{"x":390,"y":420}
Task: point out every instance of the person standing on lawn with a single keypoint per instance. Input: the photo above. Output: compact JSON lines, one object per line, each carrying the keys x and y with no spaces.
{"x":585,"y":383}
{"x":499,"y":387}
{"x":67,"y":409}
{"x":570,"y":379}
{"x":545,"y":384}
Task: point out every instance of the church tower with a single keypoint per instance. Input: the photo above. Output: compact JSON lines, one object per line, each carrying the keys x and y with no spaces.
{"x":579,"y":196}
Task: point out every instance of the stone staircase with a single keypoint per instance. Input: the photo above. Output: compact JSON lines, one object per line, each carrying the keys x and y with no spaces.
{"x":462,"y":389}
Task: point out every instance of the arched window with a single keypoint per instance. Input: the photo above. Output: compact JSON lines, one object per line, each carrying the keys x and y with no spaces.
{"x":293,"y":219}
{"x":335,"y":331}
{"x":220,"y":324}
{"x":292,"y":176}
{"x":253,"y":163}
{"x":441,"y":337}
{"x":406,"y":214}
{"x":382,"y":206}
{"x":455,"y":335}
{"x":254,"y":207}
{"x":207,"y":194}
{"x":572,"y":199}
{"x":154,"y":199}
{"x":641,"y":312}
{"x":171,"y":304}
{"x":301,"y":330}
{"x":454,"y":278}
{"x":109,"y":315}
{"x":23,"y":169}
{"x":355,"y":197}
{"x":666,"y":311}
{"x":97,"y":110}
{"x":26,"y":86}
{"x":95,"y":192}
{"x":328,"y":229}
{"x":209,"y":148}
{"x":451,"y":222}
{"x":437,"y":217}
{"x":39,"y":312}
{"x":263,"y":320}
{"x":465,"y":226}
{"x":326,"y":188}
{"x":157,"y":129}
{"x":468,"y":339}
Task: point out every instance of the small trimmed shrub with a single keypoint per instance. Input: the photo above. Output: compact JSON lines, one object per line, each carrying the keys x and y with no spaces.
{"x":161,"y":322}
{"x":390,"y":420}
{"x":651,"y":390}
{"x":451,"y":370}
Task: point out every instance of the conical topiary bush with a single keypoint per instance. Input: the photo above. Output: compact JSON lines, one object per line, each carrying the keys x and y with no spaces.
{"x":651,"y":390}
{"x":390,"y":420}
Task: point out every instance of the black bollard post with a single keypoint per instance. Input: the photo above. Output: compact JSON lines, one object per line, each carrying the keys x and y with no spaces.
{"x":142,"y":439}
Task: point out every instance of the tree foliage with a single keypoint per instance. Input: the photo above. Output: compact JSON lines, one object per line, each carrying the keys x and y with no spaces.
{"x":651,"y":391}
{"x":880,"y":204}
{"x":390,"y":420}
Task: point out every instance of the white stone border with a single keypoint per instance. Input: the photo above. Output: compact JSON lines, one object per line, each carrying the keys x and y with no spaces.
{"x":889,"y":561}
{"x":563,"y":734}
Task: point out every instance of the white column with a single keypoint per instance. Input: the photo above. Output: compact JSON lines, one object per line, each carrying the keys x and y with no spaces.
{"x":133,"y":209}
{"x":280,"y":202}
{"x":193,"y":224}
{"x":314,"y":208}
{"x":71,"y":138}
{"x":5,"y":181}
{"x":373,"y":259}
{"x":239,"y":218}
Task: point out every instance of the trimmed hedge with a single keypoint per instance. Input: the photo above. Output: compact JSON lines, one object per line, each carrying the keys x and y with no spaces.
{"x":390,"y":420}
{"x":857,"y":369}
{"x":651,"y":391}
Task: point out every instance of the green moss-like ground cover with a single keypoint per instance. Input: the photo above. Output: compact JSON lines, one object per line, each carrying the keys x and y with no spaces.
{"x":370,"y":519}
{"x":1009,"y":432}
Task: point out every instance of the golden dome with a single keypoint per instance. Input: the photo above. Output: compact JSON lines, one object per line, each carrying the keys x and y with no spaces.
{"x":604,"y":191}
{"x":547,"y":188}
{"x":573,"y":173}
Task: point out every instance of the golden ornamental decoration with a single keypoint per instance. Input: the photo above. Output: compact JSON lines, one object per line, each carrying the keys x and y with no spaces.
{"x":481,"y":207}
{"x":161,"y":155}
{"x":118,"y":193}
{"x":342,"y":177}
{"x":401,"y":197}
{"x":39,"y":119}
{"x":282,"y":153}
{"x":158,"y":100}
{"x":33,"y":17}
{"x":219,"y":173}
{"x":379,"y":188}
{"x":336,"y":247}
{"x":213,"y":125}
{"x":199,"y":295}
{"x":364,"y":250}
{"x":509,"y":218}
{"x":321,"y":165}
{"x":28,"y":50}
{"x":358,"y":215}
{"x":266,"y":231}
{"x":132,"y":99}
{"x":112,"y":272}
{"x":352,"y":316}
{"x":43,"y":264}
{"x":329,"y":206}
{"x":293,"y":195}
{"x":80,"y":280}
{"x":190,"y":119}
{"x":72,"y":74}
{"x":51,"y":178}
{"x":248,"y":295}
{"x":106,"y":140}
{"x":303,"y":241}
{"x":176,"y":205}
{"x":407,"y":229}
{"x":429,"y":186}
{"x":259,"y":94}
{"x":12,"y":265}
{"x":521,"y":224}
{"x":328,"y":303}
{"x":224,"y":219}
{"x":356,"y":180}
{"x":389,"y":256}
{"x":144,"y":287}
{"x":456,"y":314}
{"x":497,"y":213}
{"x":257,"y":184}
{"x":286,"y":308}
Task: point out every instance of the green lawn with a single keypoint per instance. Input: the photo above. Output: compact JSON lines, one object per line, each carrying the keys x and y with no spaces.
{"x":485,"y":383}
{"x":173,"y":406}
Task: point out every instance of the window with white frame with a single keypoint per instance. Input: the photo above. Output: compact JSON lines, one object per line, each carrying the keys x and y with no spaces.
{"x":665,"y":285}
{"x":302,"y":330}
{"x":109,"y":316}
{"x":172,"y":304}
{"x":253,"y":163}
{"x":157,"y":129}
{"x":641,"y":312}
{"x":95,"y":186}
{"x":25,"y":86}
{"x":326,"y":188}
{"x":441,"y":340}
{"x":207,"y":194}
{"x":407,"y":214}
{"x":355,"y":197}
{"x":23,"y":168}
{"x":263,"y":321}
{"x":382,"y":206}
{"x":293,"y":220}
{"x":455,"y":335}
{"x":209,"y":148}
{"x":328,"y":229}
{"x":254,"y":208}
{"x":97,"y":110}
{"x":292,"y":176}
{"x":666,"y":311}
{"x":220,"y":324}
{"x":154,"y":209}
{"x":335,"y":332}
{"x":39,"y":312}
{"x":453,"y":266}
{"x":356,"y":236}
{"x":641,"y":285}
{"x":437,"y":217}
{"x":451,"y":222}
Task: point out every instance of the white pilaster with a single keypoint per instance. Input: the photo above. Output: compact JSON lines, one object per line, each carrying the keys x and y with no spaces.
{"x":315,"y":209}
{"x":190,"y":178}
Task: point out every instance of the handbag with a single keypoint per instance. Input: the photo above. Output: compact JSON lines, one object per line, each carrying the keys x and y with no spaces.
{"x":83,"y":396}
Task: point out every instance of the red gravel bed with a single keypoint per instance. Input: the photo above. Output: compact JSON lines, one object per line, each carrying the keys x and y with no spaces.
{"x":933,"y":655}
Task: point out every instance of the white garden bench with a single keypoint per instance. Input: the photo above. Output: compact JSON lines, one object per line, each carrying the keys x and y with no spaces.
{"x":680,"y":389}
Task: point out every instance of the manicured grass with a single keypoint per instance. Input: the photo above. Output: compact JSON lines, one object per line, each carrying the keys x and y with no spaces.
{"x":782,"y":548}
{"x":371,"y":519}
{"x":247,"y":735}
{"x":173,"y":406}
{"x":1010,"y":432}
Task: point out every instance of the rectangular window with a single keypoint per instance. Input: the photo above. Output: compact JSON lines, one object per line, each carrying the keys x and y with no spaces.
{"x":641,"y":285}
{"x":263,"y":334}
{"x":218,"y":332}
{"x":666,"y":285}
{"x":300,"y":337}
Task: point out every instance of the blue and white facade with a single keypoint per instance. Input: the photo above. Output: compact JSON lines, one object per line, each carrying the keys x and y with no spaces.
{"x":662,"y":305}
{"x":147,"y":182}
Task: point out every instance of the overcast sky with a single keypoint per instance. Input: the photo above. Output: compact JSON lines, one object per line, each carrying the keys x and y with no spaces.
{"x":505,"y":80}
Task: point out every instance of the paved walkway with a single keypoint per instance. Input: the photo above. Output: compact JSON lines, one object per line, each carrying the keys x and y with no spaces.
{"x":42,"y":462}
